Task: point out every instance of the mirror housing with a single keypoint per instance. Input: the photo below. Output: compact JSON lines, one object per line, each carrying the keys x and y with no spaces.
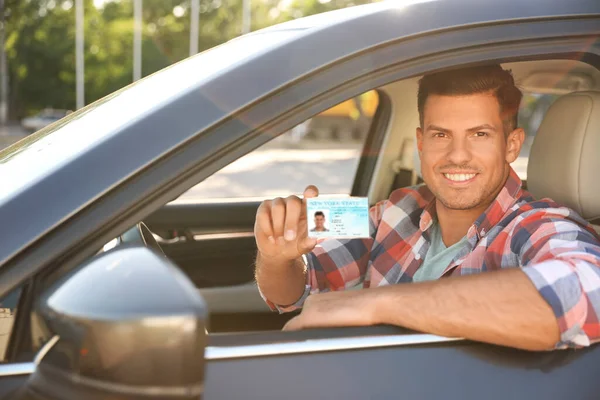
{"x":128,"y":324}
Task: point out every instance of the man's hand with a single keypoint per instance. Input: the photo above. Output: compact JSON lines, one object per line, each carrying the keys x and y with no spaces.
{"x":336,"y":309}
{"x":281,"y":233}
{"x":281,"y":227}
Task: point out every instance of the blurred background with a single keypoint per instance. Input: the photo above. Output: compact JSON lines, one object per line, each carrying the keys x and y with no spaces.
{"x":111,"y":43}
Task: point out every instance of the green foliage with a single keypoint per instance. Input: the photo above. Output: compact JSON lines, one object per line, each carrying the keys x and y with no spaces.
{"x":40,"y":42}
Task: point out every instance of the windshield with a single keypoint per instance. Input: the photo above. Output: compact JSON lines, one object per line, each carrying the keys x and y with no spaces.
{"x":36,"y":156}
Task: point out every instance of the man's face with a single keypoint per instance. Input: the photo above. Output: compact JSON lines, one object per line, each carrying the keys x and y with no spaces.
{"x":464,"y":152}
{"x":319,"y":222}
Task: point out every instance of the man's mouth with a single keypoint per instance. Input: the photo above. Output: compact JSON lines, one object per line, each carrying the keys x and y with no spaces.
{"x":459,"y":178}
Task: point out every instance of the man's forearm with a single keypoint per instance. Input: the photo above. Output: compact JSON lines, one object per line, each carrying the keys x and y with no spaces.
{"x":280,"y":281}
{"x":497,"y":307}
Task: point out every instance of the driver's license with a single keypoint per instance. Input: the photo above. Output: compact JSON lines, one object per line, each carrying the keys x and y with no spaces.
{"x":343,"y":217}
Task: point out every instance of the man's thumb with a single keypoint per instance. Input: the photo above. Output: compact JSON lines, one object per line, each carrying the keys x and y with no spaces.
{"x":311,"y":191}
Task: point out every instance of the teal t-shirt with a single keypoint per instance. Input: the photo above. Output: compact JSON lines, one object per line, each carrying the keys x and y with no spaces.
{"x":438,"y":256}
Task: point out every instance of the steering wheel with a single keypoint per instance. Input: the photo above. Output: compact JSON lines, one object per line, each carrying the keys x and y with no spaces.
{"x":140,"y":235}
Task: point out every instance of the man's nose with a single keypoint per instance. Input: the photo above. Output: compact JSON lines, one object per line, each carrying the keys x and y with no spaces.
{"x":459,"y":152}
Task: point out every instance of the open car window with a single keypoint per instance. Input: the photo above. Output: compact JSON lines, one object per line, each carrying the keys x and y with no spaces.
{"x":324,"y":151}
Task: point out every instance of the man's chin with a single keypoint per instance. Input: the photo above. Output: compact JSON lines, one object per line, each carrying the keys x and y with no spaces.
{"x":460,"y":207}
{"x":459,"y":204}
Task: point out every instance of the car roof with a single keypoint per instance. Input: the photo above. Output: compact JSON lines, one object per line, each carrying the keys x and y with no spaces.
{"x":445,"y":12}
{"x":219,"y":82}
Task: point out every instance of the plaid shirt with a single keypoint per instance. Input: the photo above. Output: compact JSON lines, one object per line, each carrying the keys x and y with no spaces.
{"x":557,"y":249}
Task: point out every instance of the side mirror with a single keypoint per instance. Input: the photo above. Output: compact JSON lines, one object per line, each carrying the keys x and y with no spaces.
{"x":126,"y":325}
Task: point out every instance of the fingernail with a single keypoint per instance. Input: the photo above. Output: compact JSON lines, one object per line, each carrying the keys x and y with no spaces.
{"x":271,"y":239}
{"x":290,"y":235}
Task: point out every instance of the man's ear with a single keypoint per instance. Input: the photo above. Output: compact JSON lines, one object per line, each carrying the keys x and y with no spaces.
{"x":514,"y":142}
{"x":419,"y":139}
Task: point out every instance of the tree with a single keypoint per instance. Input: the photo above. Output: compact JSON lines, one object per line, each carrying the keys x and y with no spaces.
{"x":41,"y":42}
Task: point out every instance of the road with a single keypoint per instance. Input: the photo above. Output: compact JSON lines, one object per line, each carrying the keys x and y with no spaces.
{"x":281,"y":172}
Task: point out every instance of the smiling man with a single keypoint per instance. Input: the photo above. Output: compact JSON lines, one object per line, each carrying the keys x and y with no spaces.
{"x":319,"y":221}
{"x":486,"y":261}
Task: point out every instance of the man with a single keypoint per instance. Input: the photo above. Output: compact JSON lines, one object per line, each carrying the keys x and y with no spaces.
{"x":319,"y":222}
{"x":541,"y":261}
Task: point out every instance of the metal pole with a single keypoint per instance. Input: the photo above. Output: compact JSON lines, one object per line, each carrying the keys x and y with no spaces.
{"x":79,"y":59}
{"x":137,"y":39}
{"x":194,"y":25}
{"x":3,"y":70}
{"x":247,"y":16}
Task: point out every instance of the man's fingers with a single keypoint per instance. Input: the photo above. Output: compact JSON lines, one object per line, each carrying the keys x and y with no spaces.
{"x":311,"y":191}
{"x":278,"y":216}
{"x":263,"y":220}
{"x":293,"y":209}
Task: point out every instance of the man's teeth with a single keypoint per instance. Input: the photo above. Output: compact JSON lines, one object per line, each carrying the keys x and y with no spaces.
{"x":459,"y":177}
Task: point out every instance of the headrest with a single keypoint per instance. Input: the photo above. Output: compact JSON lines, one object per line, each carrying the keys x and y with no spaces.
{"x":564,"y":163}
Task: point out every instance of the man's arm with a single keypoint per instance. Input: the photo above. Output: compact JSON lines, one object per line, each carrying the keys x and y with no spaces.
{"x":282,"y":281}
{"x":552,"y":301}
{"x":281,"y":233}
{"x":500,"y":307}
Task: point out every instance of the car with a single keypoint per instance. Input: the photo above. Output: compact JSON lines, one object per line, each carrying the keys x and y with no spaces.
{"x":110,"y":279}
{"x":42,"y":119}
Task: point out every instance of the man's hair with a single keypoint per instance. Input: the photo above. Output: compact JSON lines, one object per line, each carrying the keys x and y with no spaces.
{"x":319,"y":213}
{"x":474,"y":80}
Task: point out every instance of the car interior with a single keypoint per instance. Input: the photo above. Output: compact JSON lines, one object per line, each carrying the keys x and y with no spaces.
{"x":559,"y":160}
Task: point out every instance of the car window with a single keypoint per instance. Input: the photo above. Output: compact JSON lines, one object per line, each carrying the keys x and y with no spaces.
{"x":324,"y":151}
{"x":533,"y":108}
{"x":8,"y":308}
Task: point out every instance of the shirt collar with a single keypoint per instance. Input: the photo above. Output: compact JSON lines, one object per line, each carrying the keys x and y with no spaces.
{"x":492,"y":215}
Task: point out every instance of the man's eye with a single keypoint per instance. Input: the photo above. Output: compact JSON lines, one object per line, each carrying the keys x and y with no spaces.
{"x":439,"y":135}
{"x":481,"y":134}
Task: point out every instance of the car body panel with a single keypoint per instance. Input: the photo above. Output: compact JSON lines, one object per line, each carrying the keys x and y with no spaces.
{"x":450,"y":370}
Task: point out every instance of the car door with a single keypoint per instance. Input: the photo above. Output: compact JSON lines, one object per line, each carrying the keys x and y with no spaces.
{"x":208,"y":231}
{"x":363,"y":364}
{"x":390,"y":363}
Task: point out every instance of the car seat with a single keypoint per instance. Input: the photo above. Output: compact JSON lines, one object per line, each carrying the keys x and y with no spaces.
{"x":564,"y":163}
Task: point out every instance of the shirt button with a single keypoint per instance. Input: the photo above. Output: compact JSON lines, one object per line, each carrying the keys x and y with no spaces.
{"x":418,"y":257}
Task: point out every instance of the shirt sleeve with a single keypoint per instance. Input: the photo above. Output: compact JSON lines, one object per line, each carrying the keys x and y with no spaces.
{"x":336,"y":264}
{"x":561,"y":256}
